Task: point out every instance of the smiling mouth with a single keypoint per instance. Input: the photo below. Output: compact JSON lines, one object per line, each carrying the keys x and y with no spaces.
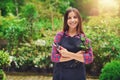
{"x":73,"y":23}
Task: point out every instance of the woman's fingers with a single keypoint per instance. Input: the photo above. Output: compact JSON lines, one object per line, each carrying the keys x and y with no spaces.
{"x":81,"y":52}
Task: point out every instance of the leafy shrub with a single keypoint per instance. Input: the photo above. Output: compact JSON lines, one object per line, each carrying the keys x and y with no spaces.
{"x":15,"y":35}
{"x":4,"y":59}
{"x":47,"y":25}
{"x":13,"y":30}
{"x":29,"y":12}
{"x":111,"y":71}
{"x":31,"y":55}
{"x":104,"y":34}
{"x":2,"y":75}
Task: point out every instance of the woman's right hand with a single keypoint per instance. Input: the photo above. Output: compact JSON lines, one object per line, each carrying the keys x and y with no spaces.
{"x":81,"y":52}
{"x":64,"y":52}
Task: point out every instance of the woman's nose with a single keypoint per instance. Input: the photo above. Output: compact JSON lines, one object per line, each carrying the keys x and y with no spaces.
{"x":72,"y":19}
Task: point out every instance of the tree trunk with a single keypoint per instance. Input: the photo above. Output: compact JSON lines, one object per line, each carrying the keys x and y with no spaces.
{"x":16,"y":4}
{"x":0,"y":12}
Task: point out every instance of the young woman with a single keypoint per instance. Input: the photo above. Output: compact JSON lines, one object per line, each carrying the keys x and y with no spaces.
{"x":69,"y":57}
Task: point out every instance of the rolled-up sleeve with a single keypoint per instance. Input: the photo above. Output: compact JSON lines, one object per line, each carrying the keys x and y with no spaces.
{"x":88,"y":56}
{"x":55,"y":56}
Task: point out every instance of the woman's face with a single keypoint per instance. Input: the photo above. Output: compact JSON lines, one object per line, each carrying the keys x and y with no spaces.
{"x":72,"y":20}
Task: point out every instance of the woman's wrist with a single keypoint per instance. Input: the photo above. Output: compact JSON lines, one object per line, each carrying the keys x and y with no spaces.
{"x":76,"y":56}
{"x":72,"y":55}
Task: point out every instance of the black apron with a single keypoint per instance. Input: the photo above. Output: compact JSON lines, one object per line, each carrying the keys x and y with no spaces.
{"x":69,"y":70}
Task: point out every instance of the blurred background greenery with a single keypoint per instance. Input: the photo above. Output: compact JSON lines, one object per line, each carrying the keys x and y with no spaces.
{"x":28,"y":27}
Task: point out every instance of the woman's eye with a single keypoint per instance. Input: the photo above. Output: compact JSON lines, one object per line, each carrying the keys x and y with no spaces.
{"x":75,"y":17}
{"x":69,"y":17}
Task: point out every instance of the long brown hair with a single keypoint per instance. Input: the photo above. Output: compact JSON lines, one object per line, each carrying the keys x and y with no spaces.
{"x":79,"y":27}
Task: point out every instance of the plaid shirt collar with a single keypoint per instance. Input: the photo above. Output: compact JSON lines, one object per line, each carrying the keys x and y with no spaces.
{"x":77,"y":35}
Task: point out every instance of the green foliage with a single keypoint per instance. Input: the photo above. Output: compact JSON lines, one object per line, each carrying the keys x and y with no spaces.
{"x":85,"y":45}
{"x":59,"y":6}
{"x":2,"y":75}
{"x":35,"y":54}
{"x":4,"y":59}
{"x":14,"y":36}
{"x":17,"y":31}
{"x":14,"y":31}
{"x":1,"y":28}
{"x":46,"y":24}
{"x":11,"y":6}
{"x":10,"y":20}
{"x":29,"y":12}
{"x":104,"y":34}
{"x":5,"y":6}
{"x":111,"y":71}
{"x":107,"y":44}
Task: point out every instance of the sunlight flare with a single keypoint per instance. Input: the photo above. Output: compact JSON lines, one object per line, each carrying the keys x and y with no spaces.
{"x":108,"y":6}
{"x":109,"y":3}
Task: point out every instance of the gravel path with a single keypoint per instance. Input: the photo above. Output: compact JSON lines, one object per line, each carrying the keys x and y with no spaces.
{"x":31,"y":76}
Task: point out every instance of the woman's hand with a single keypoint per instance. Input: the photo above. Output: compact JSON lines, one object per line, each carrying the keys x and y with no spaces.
{"x":64,"y":52}
{"x":77,"y":56}
{"x":80,"y":52}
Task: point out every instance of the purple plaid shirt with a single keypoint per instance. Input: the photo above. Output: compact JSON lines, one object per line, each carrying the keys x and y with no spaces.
{"x":55,"y":57}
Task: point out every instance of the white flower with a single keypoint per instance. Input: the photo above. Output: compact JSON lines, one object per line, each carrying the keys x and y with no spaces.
{"x":40,"y":42}
{"x":11,"y":58}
